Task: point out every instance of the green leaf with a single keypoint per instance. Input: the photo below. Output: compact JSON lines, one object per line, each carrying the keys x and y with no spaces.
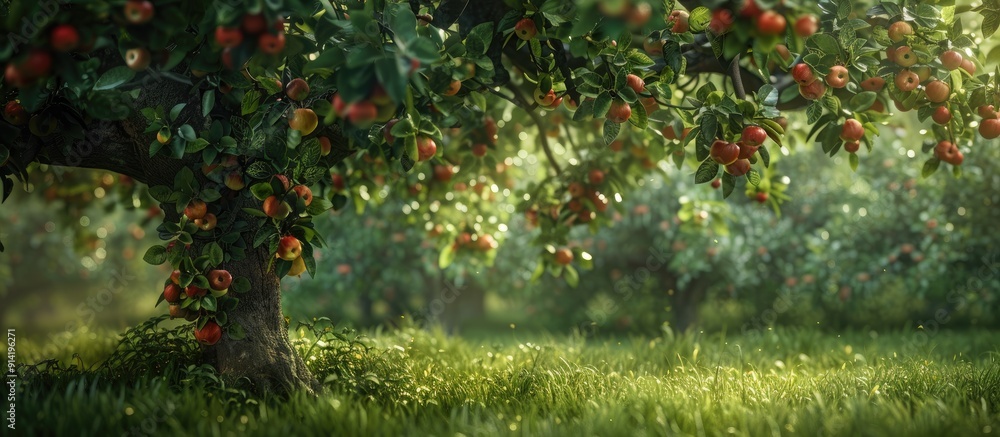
{"x":155,"y":255}
{"x":261,"y":190}
{"x":728,"y":184}
{"x":240,"y":285}
{"x":210,"y":195}
{"x":991,"y":21}
{"x":602,"y":104}
{"x":209,"y":303}
{"x":706,"y":172}
{"x":114,"y":78}
{"x":854,"y":161}
{"x":187,"y":132}
{"x":250,"y":103}
{"x":930,"y":167}
{"x":176,"y":111}
{"x":161,"y":193}
{"x":446,"y":257}
{"x":215,"y":254}
{"x":483,"y":34}
{"x":195,"y":146}
{"x":862,"y":101}
{"x":753,"y":176}
{"x":699,"y":19}
{"x":639,"y":117}
{"x":611,"y":130}
{"x":571,"y":275}
{"x":313,"y":174}
{"x":260,"y":170}
{"x":825,"y":43}
{"x":254,"y":212}
{"x":310,"y":152}
{"x":814,"y":111}
{"x":207,"y":102}
{"x":235,"y":331}
{"x":318,"y":206}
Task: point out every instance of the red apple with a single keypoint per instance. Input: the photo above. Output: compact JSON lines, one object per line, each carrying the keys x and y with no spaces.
{"x":990,"y":128}
{"x":137,"y":59}
{"x":941,"y":115}
{"x":172,"y":293}
{"x":64,"y":38}
{"x":951,"y":59}
{"x":304,"y":192}
{"x":138,"y":11}
{"x":206,"y":223}
{"x":852,"y":130}
{"x":271,"y":44}
{"x":907,"y":80}
{"x":722,"y":21}
{"x":228,"y":37}
{"x":596,"y":177}
{"x":873,"y":84}
{"x":254,"y":24}
{"x":937,"y":91}
{"x":276,"y":208}
{"x":806,"y":26}
{"x":479,"y":150}
{"x":219,"y":280}
{"x":525,"y":29}
{"x":208,"y":334}
{"x":724,"y":152}
{"x":746,"y":150}
{"x":899,"y":30}
{"x":564,"y":256}
{"x":442,"y":173}
{"x":362,"y":114}
{"x":905,"y":57}
{"x":620,"y":111}
{"x":193,"y":291}
{"x":813,"y":91}
{"x":426,"y":148}
{"x":678,"y":22}
{"x":196,"y":209}
{"x":753,"y":135}
{"x":771,"y":23}
{"x":739,"y":168}
{"x":803,"y":74}
{"x":838,"y":77}
{"x":289,"y":248}
{"x":297,"y":89}
{"x":636,"y":83}
{"x":15,"y":113}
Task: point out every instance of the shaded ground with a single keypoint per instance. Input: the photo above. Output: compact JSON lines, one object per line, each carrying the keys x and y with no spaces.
{"x":411,"y":382}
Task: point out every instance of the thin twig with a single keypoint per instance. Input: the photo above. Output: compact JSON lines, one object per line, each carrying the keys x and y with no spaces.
{"x":734,"y":74}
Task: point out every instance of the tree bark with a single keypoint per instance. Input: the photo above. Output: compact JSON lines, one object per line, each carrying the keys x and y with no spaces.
{"x":265,"y":357}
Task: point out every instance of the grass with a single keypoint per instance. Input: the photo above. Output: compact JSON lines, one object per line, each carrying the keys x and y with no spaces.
{"x":413,"y":382}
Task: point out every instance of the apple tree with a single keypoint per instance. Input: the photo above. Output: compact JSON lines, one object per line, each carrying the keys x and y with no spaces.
{"x":245,"y":119}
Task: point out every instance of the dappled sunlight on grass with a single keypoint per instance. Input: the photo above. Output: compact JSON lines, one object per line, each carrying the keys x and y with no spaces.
{"x":415,"y":382}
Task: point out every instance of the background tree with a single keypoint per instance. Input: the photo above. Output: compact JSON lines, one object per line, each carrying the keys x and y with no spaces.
{"x":232,"y":115}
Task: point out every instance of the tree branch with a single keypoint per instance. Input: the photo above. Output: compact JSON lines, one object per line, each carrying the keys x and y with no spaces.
{"x":541,"y":130}
{"x":734,"y":74}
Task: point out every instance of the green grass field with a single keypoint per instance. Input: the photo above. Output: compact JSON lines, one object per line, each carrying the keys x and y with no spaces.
{"x":411,"y":382}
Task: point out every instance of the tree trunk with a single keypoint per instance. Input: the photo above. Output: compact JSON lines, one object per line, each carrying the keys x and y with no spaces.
{"x":265,"y":357}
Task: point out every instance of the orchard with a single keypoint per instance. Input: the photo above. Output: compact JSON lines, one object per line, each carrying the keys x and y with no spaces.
{"x":243,"y":121}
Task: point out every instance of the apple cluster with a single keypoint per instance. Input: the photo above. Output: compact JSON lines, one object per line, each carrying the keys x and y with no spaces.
{"x":252,"y":31}
{"x":181,"y":300}
{"x":37,"y":62}
{"x":277,"y":207}
{"x":736,"y":156}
